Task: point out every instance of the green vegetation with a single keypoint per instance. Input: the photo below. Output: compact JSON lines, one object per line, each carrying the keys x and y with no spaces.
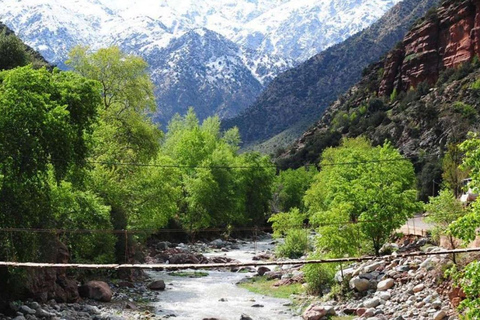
{"x":296,"y":244}
{"x":79,"y":151}
{"x":189,"y":274}
{"x":368,"y":189}
{"x":265,"y":287}
{"x":361,"y":195}
{"x":443,"y":210}
{"x":12,"y":51}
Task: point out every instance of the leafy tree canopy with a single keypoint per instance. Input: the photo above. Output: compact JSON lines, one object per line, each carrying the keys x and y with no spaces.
{"x":373,"y":185}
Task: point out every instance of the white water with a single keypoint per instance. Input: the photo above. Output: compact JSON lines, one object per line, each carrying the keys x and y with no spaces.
{"x":217,"y":296}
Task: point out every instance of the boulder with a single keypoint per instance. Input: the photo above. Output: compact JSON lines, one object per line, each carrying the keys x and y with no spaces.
{"x":372,"y":303}
{"x":262,"y":270}
{"x":96,"y":290}
{"x":385,"y":284}
{"x":359,"y":284}
{"x":439,"y":315}
{"x":315,"y":312}
{"x":157,"y":285}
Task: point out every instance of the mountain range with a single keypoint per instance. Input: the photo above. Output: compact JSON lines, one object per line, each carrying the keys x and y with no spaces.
{"x":244,"y":43}
{"x":422,"y":97}
{"x":299,"y":96}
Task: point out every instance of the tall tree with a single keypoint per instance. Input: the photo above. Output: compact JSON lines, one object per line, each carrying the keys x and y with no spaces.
{"x":376,"y":184}
{"x":126,"y":143}
{"x":46,"y":119}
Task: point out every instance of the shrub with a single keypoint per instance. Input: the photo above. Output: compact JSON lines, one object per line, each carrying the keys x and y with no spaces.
{"x":319,"y":277}
{"x":295,"y":246}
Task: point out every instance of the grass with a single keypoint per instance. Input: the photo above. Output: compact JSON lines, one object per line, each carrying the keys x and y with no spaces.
{"x":265,"y":287}
{"x":189,"y":274}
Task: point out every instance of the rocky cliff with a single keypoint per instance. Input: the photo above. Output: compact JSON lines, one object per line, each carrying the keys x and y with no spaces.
{"x":422,"y":97}
{"x":448,"y":37}
{"x":300,"y":95}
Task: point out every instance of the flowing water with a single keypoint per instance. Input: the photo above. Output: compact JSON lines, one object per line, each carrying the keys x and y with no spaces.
{"x":217,"y":296}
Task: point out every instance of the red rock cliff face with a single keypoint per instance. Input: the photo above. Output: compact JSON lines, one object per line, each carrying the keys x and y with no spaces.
{"x":445,"y":40}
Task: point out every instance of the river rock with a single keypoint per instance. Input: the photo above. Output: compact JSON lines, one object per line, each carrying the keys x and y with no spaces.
{"x":439,"y":315}
{"x":347,"y":274}
{"x":373,"y":266}
{"x":385,"y":284}
{"x":218,"y":243}
{"x":372,"y":303}
{"x":418,"y":287}
{"x":315,"y":312}
{"x":359,"y":284}
{"x":157,"y":285}
{"x":262,"y":270}
{"x":26,"y":310}
{"x":96,"y":290}
{"x":245,"y":317}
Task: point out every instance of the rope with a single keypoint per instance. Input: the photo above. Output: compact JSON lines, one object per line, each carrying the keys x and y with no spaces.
{"x":226,"y":265}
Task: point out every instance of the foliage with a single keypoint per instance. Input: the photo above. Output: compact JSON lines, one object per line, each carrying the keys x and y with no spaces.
{"x":367,"y":188}
{"x":138,"y":196}
{"x":12,"y":51}
{"x":319,"y":276}
{"x":469,"y":280}
{"x":219,"y":187}
{"x":296,"y":244}
{"x":285,"y":221}
{"x":44,"y":128}
{"x":290,"y":186}
{"x":83,"y":210}
{"x":443,"y":210}
{"x":336,"y":235}
{"x":265,"y":287}
{"x":453,"y":174}
{"x":45,"y":119}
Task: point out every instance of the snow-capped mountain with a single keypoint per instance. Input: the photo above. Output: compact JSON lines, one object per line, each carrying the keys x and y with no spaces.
{"x":190,"y":72}
{"x":234,"y":46}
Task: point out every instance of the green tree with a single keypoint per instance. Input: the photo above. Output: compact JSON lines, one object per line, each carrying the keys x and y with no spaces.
{"x":126,"y":144}
{"x":44,"y":128}
{"x":443,"y":210}
{"x":362,"y":178}
{"x":12,"y":51}
{"x":290,"y":187}
{"x":453,"y":174}
{"x":219,"y":187}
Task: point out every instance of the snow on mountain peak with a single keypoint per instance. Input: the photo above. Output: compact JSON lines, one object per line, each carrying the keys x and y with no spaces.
{"x":228,"y":46}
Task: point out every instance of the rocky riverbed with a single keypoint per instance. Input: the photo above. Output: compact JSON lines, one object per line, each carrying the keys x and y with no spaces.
{"x":402,"y":288}
{"x":163,"y":294}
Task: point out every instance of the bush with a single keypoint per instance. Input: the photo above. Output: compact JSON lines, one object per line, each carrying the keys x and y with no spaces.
{"x":295,"y":246}
{"x":319,"y":277}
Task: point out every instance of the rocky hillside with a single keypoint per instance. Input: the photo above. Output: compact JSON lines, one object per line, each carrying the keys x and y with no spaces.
{"x":256,"y":39}
{"x":36,"y":57}
{"x":300,"y":95}
{"x":205,"y":70}
{"x":435,"y":63}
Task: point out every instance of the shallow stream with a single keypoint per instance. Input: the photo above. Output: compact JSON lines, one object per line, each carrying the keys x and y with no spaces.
{"x":216,"y":295}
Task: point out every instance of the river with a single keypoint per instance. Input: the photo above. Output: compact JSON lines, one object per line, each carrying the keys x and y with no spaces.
{"x":216,"y":296}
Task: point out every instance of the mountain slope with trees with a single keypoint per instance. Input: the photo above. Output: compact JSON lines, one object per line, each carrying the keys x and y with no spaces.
{"x":300,"y":95}
{"x":424,"y":120}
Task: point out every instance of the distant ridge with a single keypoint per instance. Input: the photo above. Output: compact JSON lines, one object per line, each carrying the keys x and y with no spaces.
{"x":299,"y":96}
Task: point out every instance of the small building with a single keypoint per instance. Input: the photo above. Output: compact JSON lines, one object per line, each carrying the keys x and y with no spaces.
{"x":468,"y":195}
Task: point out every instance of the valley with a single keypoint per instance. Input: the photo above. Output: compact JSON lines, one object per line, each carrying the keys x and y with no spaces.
{"x":140,"y":150}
